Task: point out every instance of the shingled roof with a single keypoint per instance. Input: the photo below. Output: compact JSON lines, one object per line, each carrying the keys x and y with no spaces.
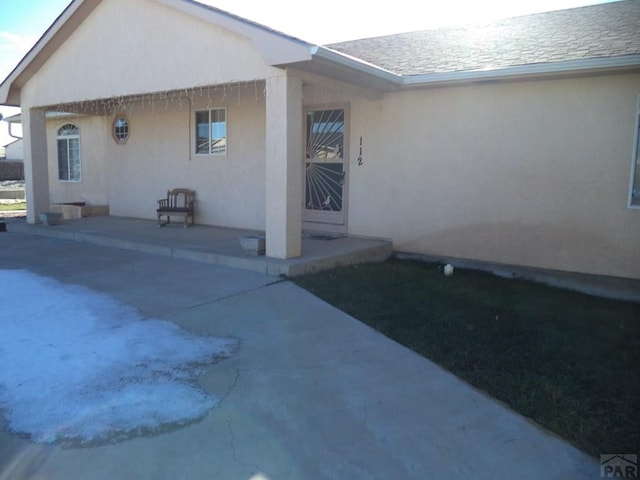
{"x":598,"y":31}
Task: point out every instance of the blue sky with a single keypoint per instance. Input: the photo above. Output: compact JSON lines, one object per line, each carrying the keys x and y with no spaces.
{"x":22,"y":22}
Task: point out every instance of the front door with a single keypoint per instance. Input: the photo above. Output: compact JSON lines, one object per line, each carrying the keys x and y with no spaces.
{"x":326,"y":166}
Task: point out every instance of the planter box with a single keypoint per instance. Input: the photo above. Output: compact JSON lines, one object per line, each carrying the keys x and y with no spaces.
{"x":50,"y":218}
{"x":253,"y":245}
{"x":79,"y":210}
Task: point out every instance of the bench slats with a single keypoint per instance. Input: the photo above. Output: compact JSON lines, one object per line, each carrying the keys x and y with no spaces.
{"x":179,"y":201}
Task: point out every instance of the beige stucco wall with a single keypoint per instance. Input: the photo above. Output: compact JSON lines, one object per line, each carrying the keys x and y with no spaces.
{"x":529,"y":173}
{"x":230,"y":189}
{"x":167,"y":49}
{"x":130,"y":178}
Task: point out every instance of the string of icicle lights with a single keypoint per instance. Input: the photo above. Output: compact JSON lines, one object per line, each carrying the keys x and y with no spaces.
{"x":208,"y":96}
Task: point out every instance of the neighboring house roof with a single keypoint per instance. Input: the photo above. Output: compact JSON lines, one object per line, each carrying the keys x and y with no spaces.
{"x":17,"y":118}
{"x":597,"y":31}
{"x":12,"y":142}
{"x":13,"y":120}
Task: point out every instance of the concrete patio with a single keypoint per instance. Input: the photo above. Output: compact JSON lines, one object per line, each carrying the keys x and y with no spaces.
{"x":213,"y":245}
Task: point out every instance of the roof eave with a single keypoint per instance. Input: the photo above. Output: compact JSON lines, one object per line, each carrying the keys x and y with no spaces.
{"x":339,"y":66}
{"x":335,"y":64}
{"x":353,"y":62}
{"x":531,"y":71}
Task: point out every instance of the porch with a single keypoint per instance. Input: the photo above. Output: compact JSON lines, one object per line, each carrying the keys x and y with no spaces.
{"x":207,"y":244}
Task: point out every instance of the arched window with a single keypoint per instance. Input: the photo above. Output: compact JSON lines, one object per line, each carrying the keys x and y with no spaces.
{"x":69,"y":153}
{"x":121,"y":129}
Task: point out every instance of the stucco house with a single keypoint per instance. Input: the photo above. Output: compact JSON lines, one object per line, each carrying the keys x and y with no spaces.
{"x":14,"y":151}
{"x":513,"y":142}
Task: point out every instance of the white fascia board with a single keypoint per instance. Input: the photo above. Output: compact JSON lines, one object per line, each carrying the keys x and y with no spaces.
{"x":4,"y":94}
{"x":345,"y":60}
{"x":5,"y":86}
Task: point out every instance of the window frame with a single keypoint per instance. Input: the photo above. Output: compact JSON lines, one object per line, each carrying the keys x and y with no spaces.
{"x":114,"y":127}
{"x":67,"y":138}
{"x":195,"y":137}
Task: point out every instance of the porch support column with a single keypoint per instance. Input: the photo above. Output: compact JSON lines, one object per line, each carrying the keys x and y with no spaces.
{"x":36,"y":169}
{"x":284,"y":173}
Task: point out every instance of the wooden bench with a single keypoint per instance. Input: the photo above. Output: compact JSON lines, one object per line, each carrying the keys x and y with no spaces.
{"x":179,"y":202}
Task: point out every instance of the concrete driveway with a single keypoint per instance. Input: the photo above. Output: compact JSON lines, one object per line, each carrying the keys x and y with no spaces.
{"x":310,"y":394}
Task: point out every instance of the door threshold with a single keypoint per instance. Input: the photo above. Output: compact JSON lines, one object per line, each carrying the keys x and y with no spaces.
{"x":324,"y":228}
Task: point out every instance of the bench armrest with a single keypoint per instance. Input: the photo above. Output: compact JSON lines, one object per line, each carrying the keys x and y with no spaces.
{"x":163,"y":203}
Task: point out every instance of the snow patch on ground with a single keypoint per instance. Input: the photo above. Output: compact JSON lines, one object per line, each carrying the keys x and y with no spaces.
{"x":77,"y":366}
{"x":12,"y":183}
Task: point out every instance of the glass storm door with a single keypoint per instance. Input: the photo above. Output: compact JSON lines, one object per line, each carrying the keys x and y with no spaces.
{"x":325,"y":167}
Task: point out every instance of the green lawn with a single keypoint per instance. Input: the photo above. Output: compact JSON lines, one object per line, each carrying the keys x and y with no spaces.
{"x":568,"y":361}
{"x":12,"y":206}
